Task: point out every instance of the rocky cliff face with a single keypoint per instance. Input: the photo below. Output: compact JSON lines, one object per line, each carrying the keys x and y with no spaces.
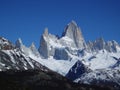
{"x":16,"y":60}
{"x":44,"y":44}
{"x":99,"y":54}
{"x":34,"y":50}
{"x":100,"y":44}
{"x":64,"y":55}
{"x":17,"y":57}
{"x":72,"y":43}
{"x":77,"y":70}
{"x":101,"y":77}
{"x":28,"y":51}
{"x":5,"y":44}
{"x":71,"y":39}
{"x":73,"y":32}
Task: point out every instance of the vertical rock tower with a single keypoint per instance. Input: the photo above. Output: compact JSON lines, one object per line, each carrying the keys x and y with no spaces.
{"x":74,"y":32}
{"x":71,"y":39}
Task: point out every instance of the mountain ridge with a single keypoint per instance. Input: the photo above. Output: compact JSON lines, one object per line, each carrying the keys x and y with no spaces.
{"x":67,"y":55}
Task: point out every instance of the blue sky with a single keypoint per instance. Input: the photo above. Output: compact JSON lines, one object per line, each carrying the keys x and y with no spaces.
{"x":28,"y":18}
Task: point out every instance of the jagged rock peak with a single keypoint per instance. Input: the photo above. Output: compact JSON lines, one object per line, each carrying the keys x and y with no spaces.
{"x":32,"y":45}
{"x":114,"y":42}
{"x":2,"y":38}
{"x":6,"y":44}
{"x":34,"y":50}
{"x":4,"y":41}
{"x":43,"y":49}
{"x":74,"y":32}
{"x":70,"y":28}
{"x":19,"y":43}
{"x":101,"y":39}
{"x":46,"y":32}
{"x":72,"y":38}
{"x":20,"y":40}
{"x":101,"y":44}
{"x":73,"y":23}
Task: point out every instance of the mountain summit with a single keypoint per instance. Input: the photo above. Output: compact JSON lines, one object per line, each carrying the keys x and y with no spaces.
{"x":72,"y":38}
{"x":96,"y":62}
{"x":73,"y":32}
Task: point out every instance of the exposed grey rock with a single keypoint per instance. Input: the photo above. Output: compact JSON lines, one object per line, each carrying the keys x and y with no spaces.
{"x":17,"y":57}
{"x":43,"y":49}
{"x":71,"y":38}
{"x":74,"y":32}
{"x":45,"y":32}
{"x":34,"y":50}
{"x":6,"y":44}
{"x":19,"y":43}
{"x":100,"y":44}
{"x":102,"y":77}
{"x":77,"y":70}
{"x":111,"y":46}
{"x":90,"y":46}
{"x":16,"y":60}
{"x":117,"y":64}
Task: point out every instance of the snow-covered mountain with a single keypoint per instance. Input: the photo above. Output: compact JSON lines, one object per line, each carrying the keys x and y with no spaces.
{"x":5,"y":44}
{"x":78,"y":69}
{"x":17,"y":56}
{"x":63,"y":47}
{"x":103,"y":77}
{"x":69,"y":55}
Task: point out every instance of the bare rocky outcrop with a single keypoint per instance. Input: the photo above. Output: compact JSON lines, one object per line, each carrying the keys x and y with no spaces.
{"x":74,"y":32}
{"x":71,"y":38}
{"x":5,"y":44}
